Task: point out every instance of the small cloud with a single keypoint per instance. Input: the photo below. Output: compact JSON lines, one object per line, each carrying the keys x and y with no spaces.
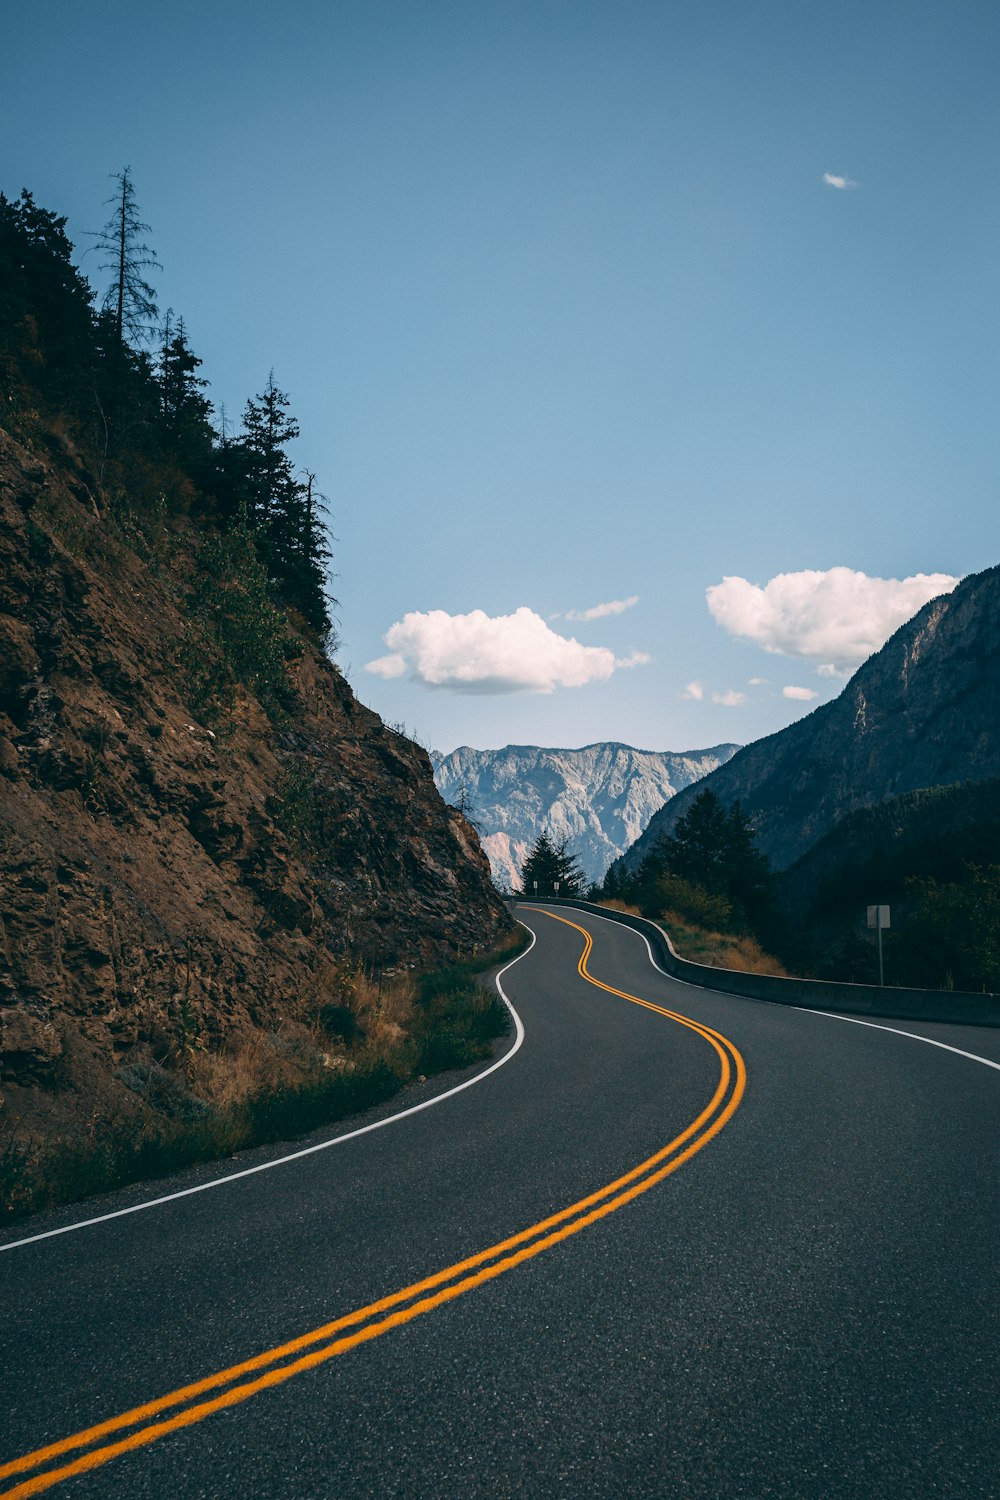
{"x":694,"y":690}
{"x":479,"y":653}
{"x":834,"y":180}
{"x":801,"y":694}
{"x":830,"y":669}
{"x":387,"y":666}
{"x":601,"y":611}
{"x":731,"y":699}
{"x":757,"y":682}
{"x":837,"y":617}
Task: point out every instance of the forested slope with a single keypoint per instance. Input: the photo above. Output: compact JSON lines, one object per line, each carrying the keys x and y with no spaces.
{"x":204,"y":838}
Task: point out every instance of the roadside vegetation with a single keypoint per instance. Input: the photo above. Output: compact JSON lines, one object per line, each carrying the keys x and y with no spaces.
{"x":709,"y":887}
{"x":113,"y":382}
{"x":551,"y":870}
{"x":704,"y":945}
{"x":373,"y":1036}
{"x":932,"y":854}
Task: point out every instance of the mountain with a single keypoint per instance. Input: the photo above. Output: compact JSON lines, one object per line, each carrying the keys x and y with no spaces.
{"x":598,"y":798}
{"x":934,"y":833}
{"x":181,"y":865}
{"x":922,"y":712}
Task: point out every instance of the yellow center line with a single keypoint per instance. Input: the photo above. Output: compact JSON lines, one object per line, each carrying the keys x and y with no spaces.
{"x":409,"y":1303}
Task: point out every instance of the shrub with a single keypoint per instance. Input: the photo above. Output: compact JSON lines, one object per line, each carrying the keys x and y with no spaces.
{"x":236,"y":634}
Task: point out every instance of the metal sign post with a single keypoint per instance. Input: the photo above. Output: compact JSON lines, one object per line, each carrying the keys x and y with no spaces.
{"x":878,"y":917}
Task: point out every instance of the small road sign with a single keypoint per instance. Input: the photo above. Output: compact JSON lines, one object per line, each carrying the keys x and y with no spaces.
{"x":878,"y":917}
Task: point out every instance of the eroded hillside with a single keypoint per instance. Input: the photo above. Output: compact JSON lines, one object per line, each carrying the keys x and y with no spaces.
{"x":179,"y":866}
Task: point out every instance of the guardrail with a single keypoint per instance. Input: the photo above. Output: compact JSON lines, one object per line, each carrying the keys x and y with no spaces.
{"x":819,"y":994}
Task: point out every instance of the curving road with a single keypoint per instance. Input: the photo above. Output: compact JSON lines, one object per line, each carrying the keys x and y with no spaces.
{"x":677,"y":1244}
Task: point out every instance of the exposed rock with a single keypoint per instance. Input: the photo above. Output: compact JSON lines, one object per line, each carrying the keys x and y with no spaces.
{"x":29,"y":1044}
{"x":598,"y":798}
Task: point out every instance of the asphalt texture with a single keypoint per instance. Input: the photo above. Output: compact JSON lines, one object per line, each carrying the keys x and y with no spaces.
{"x":808,"y":1307}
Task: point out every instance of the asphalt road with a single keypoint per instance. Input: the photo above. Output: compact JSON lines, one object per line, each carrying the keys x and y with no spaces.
{"x":788,"y":1289}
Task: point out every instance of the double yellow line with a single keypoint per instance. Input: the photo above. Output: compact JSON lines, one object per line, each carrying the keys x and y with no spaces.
{"x":188,"y":1405}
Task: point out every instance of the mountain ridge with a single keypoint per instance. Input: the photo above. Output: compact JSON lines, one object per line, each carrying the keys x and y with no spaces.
{"x":923,"y":711}
{"x":596,"y":796}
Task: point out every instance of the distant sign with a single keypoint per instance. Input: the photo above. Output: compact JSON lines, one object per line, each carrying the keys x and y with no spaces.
{"x":878,"y":916}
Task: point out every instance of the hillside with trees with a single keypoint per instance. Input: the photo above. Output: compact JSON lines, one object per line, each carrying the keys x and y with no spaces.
{"x":219,"y":870}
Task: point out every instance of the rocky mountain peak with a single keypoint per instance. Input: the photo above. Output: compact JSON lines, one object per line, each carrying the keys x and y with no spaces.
{"x":923,"y":711}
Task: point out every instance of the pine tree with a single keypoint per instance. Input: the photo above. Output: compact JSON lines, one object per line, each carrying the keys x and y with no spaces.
{"x":284,"y":511}
{"x":127,"y":320}
{"x":550,"y":870}
{"x":185,"y":412}
{"x":46,"y":324}
{"x":129,"y":298}
{"x":715,"y":847}
{"x":269,"y":475}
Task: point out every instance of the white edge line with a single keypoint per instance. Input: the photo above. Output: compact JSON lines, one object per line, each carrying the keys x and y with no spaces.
{"x":636,"y":932}
{"x":280,"y":1161}
{"x":832,"y":1015}
{"x":913,"y":1035}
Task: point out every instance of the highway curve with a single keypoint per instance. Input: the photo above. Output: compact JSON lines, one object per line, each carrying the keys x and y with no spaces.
{"x":680,"y":1244}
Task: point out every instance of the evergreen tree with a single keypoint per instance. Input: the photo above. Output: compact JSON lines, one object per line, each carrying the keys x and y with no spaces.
{"x":127,"y":320}
{"x":268,"y":474}
{"x":552,"y":869}
{"x":46,"y":324}
{"x":185,"y":411}
{"x":129,"y":298}
{"x":714,"y":847}
{"x":283,"y":510}
{"x":306,"y":582}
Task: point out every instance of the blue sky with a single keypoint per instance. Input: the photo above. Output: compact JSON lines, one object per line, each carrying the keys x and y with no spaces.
{"x":569,"y":316}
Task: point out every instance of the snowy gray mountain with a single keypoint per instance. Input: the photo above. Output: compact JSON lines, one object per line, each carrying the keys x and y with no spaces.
{"x":599,"y":798}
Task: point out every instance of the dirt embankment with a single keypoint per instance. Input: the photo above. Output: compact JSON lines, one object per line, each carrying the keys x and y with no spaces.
{"x":168,"y":884}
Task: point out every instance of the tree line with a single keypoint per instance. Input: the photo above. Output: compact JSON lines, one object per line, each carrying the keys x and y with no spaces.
{"x":710,"y":872}
{"x":121,"y":379}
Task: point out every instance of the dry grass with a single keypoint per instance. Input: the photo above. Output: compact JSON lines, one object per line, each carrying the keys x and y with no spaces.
{"x":300,"y":1052}
{"x":717,"y":950}
{"x":355,"y":1051}
{"x":266,"y":1061}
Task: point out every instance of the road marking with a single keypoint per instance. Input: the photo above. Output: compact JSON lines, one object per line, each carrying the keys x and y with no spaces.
{"x":833,"y":1015}
{"x":282,"y":1161}
{"x":411,"y":1302}
{"x":915,"y":1036}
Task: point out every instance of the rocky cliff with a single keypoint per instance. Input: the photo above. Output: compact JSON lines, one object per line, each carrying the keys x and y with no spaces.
{"x":598,"y":798}
{"x":922,"y":712}
{"x":166,"y":872}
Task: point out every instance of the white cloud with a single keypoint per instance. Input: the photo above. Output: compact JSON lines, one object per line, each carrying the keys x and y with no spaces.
{"x":479,"y":653}
{"x":802,"y":694}
{"x":601,"y":611}
{"x":730,"y":699}
{"x":757,"y":682}
{"x":835,"y":180}
{"x":830,"y":669}
{"x":694,"y":690}
{"x":838,"y":617}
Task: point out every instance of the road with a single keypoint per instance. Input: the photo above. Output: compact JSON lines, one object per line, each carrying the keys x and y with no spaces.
{"x":689,"y":1247}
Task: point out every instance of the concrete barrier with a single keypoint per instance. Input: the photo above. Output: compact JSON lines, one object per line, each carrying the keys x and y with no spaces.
{"x":960,"y":1006}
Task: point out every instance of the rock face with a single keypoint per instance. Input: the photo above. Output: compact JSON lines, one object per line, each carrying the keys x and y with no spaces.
{"x":922,"y":712}
{"x":157,"y":874}
{"x":598,"y":798}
